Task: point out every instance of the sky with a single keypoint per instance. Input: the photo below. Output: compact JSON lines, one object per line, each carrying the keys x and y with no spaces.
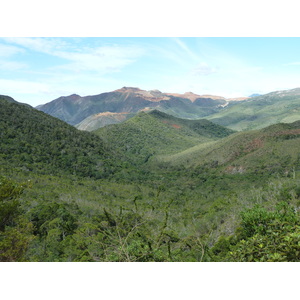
{"x":36,"y":70}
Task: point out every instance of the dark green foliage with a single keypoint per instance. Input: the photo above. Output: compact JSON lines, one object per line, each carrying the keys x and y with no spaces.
{"x":15,"y":230}
{"x":32,"y":140}
{"x":9,"y":203}
{"x":53,"y":223}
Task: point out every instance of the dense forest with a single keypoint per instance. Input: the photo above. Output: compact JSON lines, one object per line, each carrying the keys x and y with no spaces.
{"x":153,"y":188}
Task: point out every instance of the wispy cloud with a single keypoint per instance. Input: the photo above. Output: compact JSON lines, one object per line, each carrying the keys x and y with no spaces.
{"x":8,"y":50}
{"x":102,"y":59}
{"x":6,"y":65}
{"x":7,"y":61}
{"x":43,"y":45}
{"x":187,"y":50}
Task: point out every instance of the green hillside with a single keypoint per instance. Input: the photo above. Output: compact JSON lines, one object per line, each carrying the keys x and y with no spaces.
{"x":34,"y":141}
{"x":274,"y":149}
{"x":261,"y":111}
{"x":154,"y":133}
{"x":7,"y":98}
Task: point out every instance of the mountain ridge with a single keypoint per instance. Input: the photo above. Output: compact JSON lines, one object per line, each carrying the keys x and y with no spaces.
{"x":74,"y":109}
{"x":244,"y":113}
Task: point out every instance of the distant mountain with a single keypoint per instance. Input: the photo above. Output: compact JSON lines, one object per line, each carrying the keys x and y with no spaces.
{"x":243,"y":113}
{"x":34,"y":141}
{"x":74,"y":109}
{"x":154,"y":133}
{"x":254,"y":95}
{"x":260,"y":111}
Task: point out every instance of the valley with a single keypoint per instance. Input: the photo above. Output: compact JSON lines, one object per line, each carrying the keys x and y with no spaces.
{"x":135,"y":175}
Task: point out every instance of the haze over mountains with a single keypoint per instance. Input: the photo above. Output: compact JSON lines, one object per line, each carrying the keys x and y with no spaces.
{"x":257,"y":111}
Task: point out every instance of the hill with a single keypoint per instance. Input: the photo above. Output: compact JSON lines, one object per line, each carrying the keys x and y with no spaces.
{"x":266,"y":151}
{"x":7,"y":98}
{"x":34,"y":141}
{"x":261,"y":111}
{"x":152,"y":133}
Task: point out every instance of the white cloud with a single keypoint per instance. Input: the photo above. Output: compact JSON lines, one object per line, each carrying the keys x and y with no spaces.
{"x":203,"y":69}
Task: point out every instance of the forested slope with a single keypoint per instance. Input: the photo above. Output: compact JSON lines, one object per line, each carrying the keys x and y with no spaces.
{"x":33,"y":140}
{"x":153,"y":133}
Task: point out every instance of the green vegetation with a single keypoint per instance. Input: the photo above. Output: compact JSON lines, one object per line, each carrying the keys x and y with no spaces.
{"x":154,"y":188}
{"x":260,"y":111}
{"x":34,"y":141}
{"x":149,"y":134}
{"x":272,"y":150}
{"x":16,"y":232}
{"x":264,"y":234}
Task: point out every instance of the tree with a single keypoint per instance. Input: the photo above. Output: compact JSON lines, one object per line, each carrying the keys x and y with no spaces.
{"x":15,"y":229}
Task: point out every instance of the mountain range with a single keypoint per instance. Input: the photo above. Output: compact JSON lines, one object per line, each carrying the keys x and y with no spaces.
{"x":92,"y":112}
{"x":244,"y":113}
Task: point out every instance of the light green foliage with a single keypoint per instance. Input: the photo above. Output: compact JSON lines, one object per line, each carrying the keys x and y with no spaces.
{"x":264,"y":234}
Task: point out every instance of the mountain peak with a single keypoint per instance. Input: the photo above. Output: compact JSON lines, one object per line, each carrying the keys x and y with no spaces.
{"x":73,"y":97}
{"x":127,"y":89}
{"x":152,"y":95}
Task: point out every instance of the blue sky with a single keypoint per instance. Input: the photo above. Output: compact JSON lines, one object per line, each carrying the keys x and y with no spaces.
{"x":38,"y":70}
